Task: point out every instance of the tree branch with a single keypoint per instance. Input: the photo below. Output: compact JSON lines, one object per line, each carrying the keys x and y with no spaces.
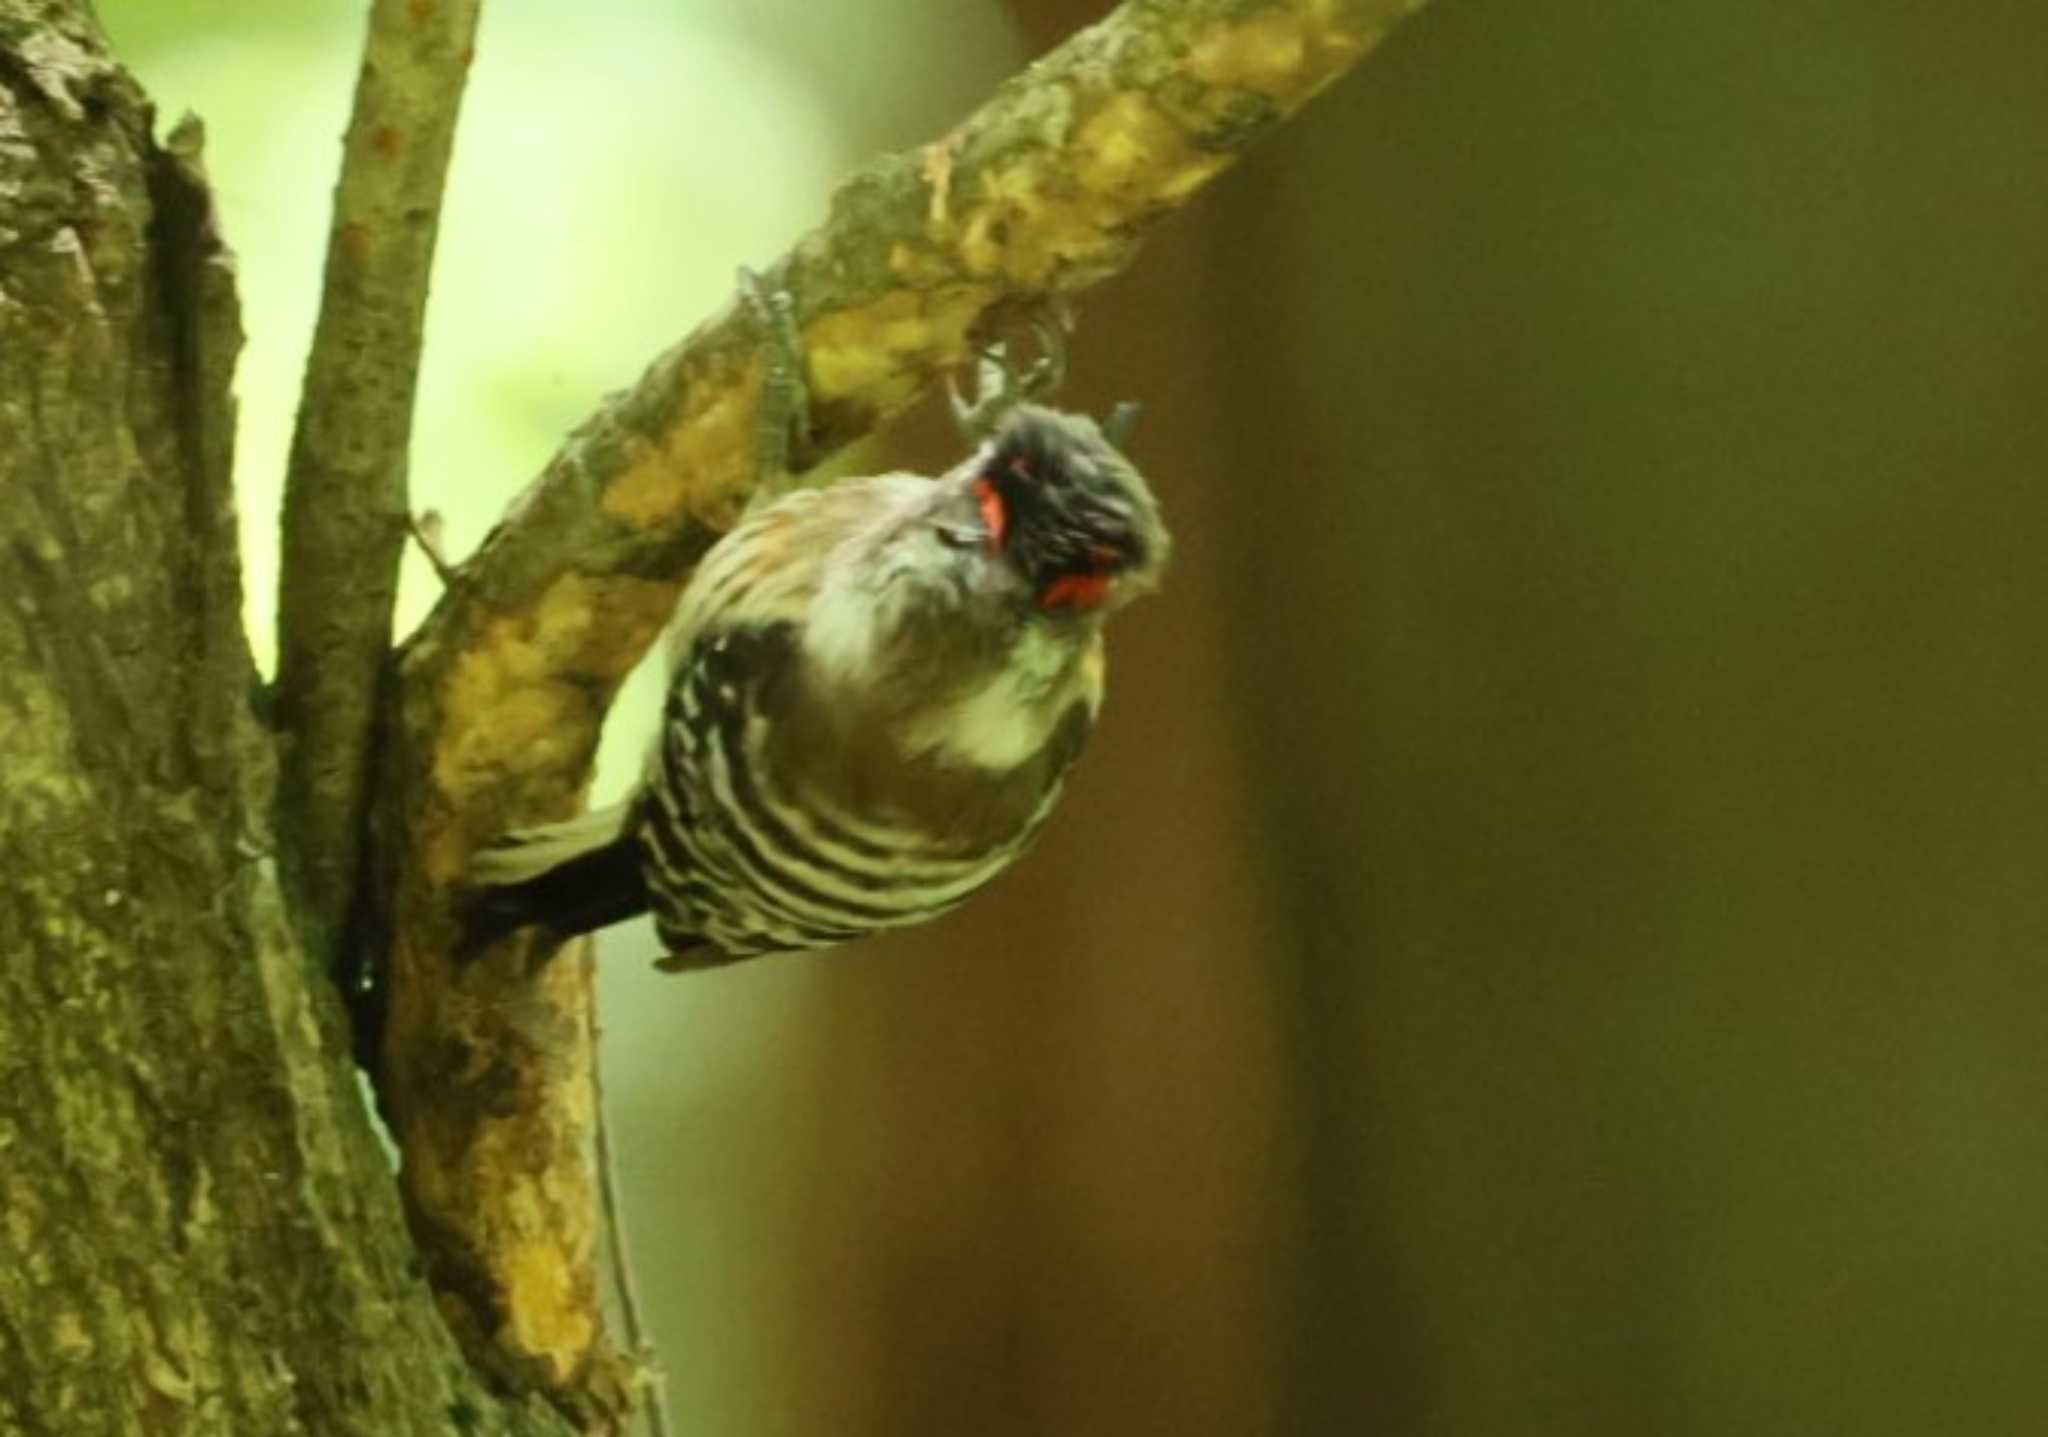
{"x":1047,"y":189}
{"x":345,"y":507}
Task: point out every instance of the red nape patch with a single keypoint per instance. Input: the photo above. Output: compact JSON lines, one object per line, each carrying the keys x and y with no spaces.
{"x":995,"y":515}
{"x":1082,"y":591}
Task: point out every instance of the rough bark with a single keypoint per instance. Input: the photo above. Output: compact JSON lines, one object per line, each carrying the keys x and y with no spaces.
{"x":197,"y":1228}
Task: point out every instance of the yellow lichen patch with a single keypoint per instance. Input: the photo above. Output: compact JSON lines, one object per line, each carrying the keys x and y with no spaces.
{"x":697,"y":465}
{"x":550,"y":637}
{"x":853,"y":349}
{"x":711,"y":451}
{"x":1032,"y":242}
{"x":539,"y":1226}
{"x":927,"y":265}
{"x":521,"y":1196}
{"x":1012,"y":196}
{"x":542,"y":1317}
{"x":874,"y":352}
{"x":521,"y":727}
{"x":511,"y":698}
{"x":1335,"y":52}
{"x":986,"y":237}
{"x":1194,"y":172}
{"x":1285,"y":55}
{"x":526,"y":697}
{"x":647,"y":491}
{"x":583,"y":628}
{"x":1128,"y":148}
{"x":1034,"y":220}
{"x":1263,"y":54}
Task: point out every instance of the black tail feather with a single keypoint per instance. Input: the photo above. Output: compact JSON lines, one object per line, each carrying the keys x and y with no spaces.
{"x":594,"y":889}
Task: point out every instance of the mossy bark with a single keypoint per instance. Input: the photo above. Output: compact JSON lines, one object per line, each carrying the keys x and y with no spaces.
{"x":198,"y":1227}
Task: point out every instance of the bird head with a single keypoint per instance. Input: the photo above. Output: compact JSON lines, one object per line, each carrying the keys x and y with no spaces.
{"x":1063,"y":508}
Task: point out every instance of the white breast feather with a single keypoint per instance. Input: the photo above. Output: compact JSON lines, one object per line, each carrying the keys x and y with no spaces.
{"x":1008,"y":719}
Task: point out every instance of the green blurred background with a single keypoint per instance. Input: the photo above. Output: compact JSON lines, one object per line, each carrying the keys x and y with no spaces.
{"x":1550,"y":938}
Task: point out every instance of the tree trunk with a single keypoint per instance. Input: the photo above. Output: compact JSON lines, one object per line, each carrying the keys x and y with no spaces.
{"x":197,"y":1228}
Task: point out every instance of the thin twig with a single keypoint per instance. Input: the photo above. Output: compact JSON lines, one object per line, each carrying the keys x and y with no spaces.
{"x":637,"y":1343}
{"x":430,"y":531}
{"x":346,"y":512}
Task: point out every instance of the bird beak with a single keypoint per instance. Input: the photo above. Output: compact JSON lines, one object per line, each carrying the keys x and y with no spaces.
{"x":965,"y":536}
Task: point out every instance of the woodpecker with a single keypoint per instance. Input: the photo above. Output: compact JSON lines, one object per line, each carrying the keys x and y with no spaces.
{"x":877,"y":691}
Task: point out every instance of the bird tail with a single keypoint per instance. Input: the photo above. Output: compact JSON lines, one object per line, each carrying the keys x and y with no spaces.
{"x":570,"y":877}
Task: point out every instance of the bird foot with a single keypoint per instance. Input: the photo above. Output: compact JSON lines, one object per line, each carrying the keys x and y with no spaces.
{"x":1000,"y":385}
{"x":782,"y":415}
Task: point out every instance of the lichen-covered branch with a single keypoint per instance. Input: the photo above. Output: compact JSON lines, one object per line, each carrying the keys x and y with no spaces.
{"x":1045,"y":190}
{"x":345,"y":503}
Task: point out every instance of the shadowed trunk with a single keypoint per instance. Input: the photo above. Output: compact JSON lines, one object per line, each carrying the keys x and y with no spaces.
{"x":197,"y":1227}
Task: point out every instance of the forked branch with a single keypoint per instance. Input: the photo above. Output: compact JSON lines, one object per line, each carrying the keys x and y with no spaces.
{"x":1045,"y":190}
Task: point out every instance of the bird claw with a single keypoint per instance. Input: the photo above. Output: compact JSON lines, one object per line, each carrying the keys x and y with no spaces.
{"x":1000,"y":386}
{"x":782,"y":414}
